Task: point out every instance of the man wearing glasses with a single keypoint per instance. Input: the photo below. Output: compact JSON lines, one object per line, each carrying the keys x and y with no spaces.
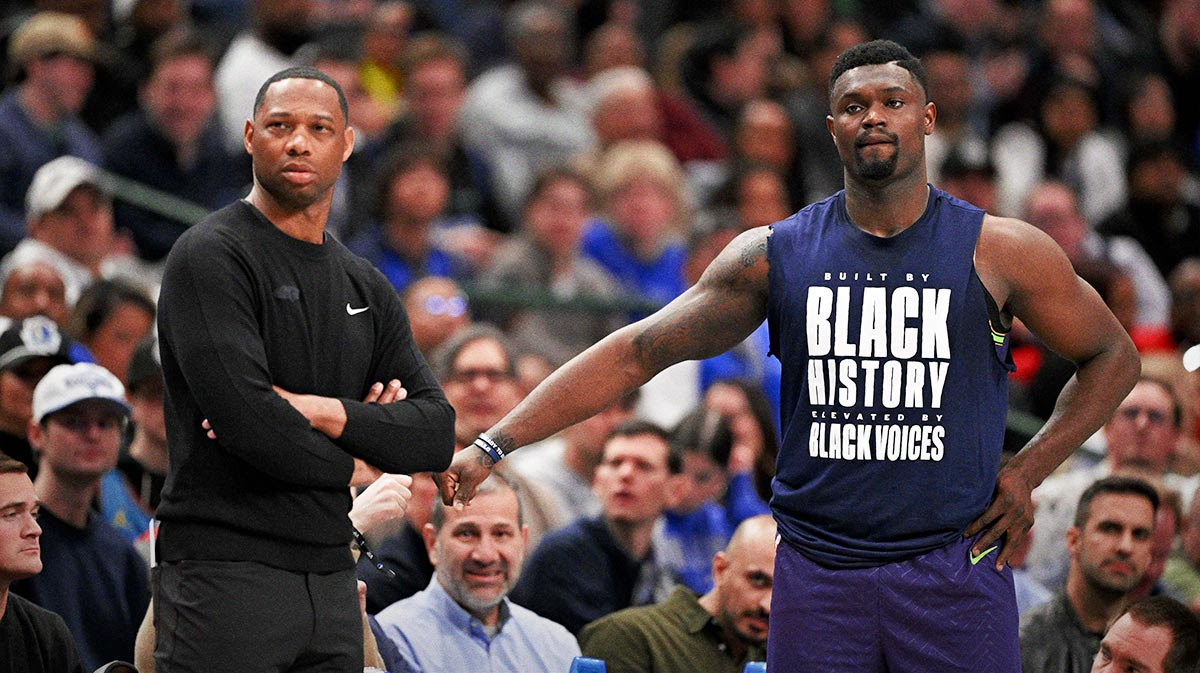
{"x":92,"y":576}
{"x":1141,"y":439}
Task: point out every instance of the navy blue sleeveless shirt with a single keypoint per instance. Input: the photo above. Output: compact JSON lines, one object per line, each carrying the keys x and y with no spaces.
{"x":894,"y":391}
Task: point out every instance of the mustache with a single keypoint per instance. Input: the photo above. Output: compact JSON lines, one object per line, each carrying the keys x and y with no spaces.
{"x":861,"y":139}
{"x":476,"y":567}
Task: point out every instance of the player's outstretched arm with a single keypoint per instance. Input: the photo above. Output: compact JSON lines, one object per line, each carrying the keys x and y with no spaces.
{"x":725,"y":306}
{"x":1032,"y":279}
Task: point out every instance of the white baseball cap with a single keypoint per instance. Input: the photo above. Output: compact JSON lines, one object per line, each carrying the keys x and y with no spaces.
{"x":55,"y":181}
{"x":65,"y":385}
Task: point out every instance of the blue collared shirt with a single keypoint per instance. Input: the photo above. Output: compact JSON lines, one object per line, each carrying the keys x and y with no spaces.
{"x":431,"y":632}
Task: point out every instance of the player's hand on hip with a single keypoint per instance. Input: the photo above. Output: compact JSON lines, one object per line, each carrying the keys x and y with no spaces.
{"x":385,"y":499}
{"x":1007,"y":519}
{"x":467,"y":470}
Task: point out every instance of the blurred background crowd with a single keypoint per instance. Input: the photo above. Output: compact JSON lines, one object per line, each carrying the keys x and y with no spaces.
{"x":532,"y":175}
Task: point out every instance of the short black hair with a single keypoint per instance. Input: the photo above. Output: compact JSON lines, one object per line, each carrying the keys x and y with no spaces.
{"x":303,"y":72}
{"x":1184,"y":653}
{"x":878,"y":52}
{"x":703,"y":431}
{"x":1114,"y":485}
{"x":638,"y":427}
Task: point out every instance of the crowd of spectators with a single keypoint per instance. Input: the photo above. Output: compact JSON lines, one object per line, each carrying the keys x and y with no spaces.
{"x":532,"y":175}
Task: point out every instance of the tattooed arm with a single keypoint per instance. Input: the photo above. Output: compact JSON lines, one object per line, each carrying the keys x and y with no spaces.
{"x":717,"y":313}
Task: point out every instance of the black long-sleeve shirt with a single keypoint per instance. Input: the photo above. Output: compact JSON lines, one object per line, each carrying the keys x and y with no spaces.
{"x":244,"y":307}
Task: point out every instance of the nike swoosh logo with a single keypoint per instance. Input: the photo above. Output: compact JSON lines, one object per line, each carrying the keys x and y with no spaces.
{"x":976,"y":559}
{"x":355,"y":311}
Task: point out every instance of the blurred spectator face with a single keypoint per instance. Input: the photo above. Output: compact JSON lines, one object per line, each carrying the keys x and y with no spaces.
{"x":1112,"y":550}
{"x":387,"y":32}
{"x":80,"y":441}
{"x":532,"y":369}
{"x":1068,"y":113}
{"x":146,"y":410}
{"x":113,"y":341}
{"x":437,"y":308}
{"x":1185,"y":301}
{"x":742,"y":76}
{"x":1152,"y":110}
{"x":633,"y":478}
{"x":731,"y":403}
{"x":1157,"y":179}
{"x":630,"y":114}
{"x":841,"y":35}
{"x":285,"y":24}
{"x":480,"y":387}
{"x":16,"y":392}
{"x":805,"y":19}
{"x":555,"y":217}
{"x":20,"y":551}
{"x":703,"y":250}
{"x":64,"y":81}
{"x":586,"y":437}
{"x":1141,"y":434}
{"x":761,"y":199}
{"x":1069,"y":27}
{"x":949,"y":85}
{"x":701,"y":480}
{"x":180,"y":99}
{"x":1132,"y":646}
{"x":644,"y":211}
{"x":419,"y":194}
{"x":975,"y":187}
{"x":35,"y":289}
{"x":1162,"y":543}
{"x":155,"y":17}
{"x":81,"y":227}
{"x":765,"y":134}
{"x":1052,"y":208}
{"x":971,"y":17}
{"x":366,"y":115}
{"x":612,"y":46}
{"x":1189,"y":533}
{"x":478,"y":551}
{"x":756,"y":12}
{"x":743,"y":576}
{"x":541,"y":48}
{"x":435,"y":95}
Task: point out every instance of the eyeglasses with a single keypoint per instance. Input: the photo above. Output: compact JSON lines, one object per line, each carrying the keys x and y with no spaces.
{"x":453,"y":306}
{"x":1155,"y":417}
{"x":492,"y":376}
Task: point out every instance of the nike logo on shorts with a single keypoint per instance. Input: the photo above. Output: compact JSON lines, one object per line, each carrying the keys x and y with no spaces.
{"x":355,"y":311}
{"x":976,"y":559}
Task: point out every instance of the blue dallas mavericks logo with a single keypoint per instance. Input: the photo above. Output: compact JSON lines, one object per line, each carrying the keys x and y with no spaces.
{"x":40,"y":336}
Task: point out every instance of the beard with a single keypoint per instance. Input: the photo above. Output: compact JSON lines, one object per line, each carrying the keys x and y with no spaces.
{"x":463,"y":596}
{"x":875,"y":169}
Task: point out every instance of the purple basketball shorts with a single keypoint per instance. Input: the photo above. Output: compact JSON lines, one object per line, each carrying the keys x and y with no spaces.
{"x":935,"y":613}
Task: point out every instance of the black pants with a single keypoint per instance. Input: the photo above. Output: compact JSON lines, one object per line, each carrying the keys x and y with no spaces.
{"x":226,"y":616}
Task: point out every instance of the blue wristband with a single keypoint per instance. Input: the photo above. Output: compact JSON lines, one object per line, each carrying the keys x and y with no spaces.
{"x":493,"y":450}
